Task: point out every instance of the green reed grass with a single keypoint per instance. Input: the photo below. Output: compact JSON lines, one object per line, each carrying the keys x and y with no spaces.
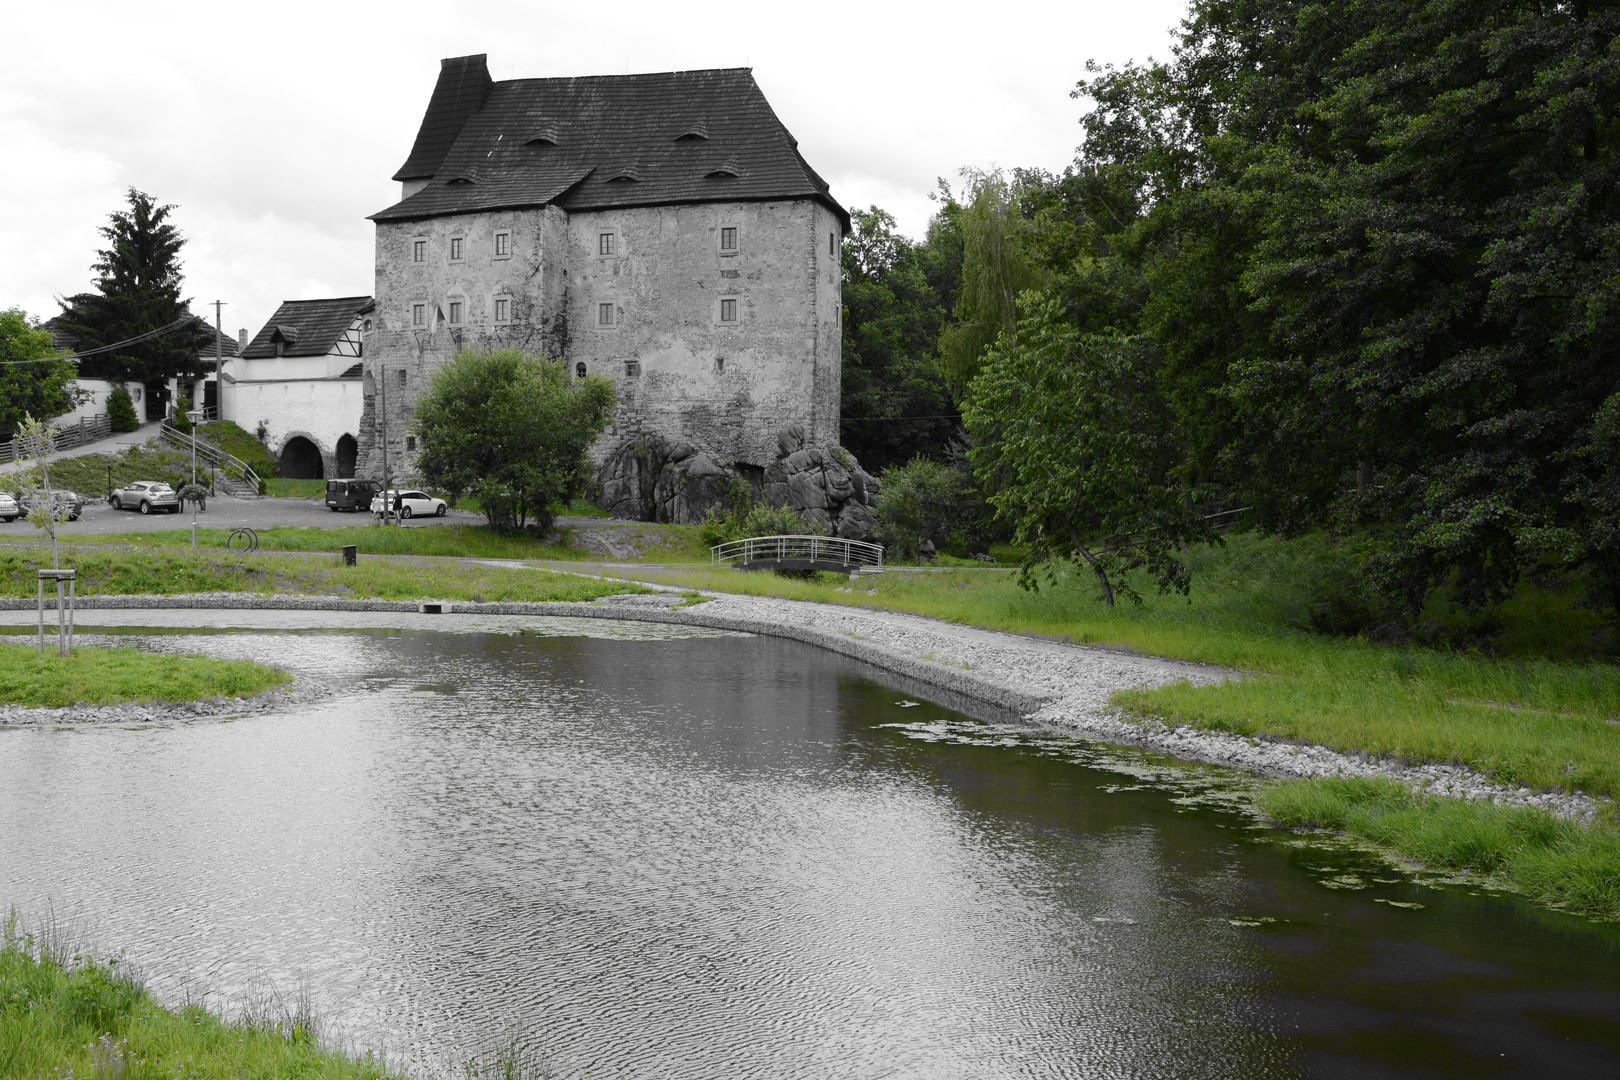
{"x":66,"y":1015}
{"x":1549,"y":859}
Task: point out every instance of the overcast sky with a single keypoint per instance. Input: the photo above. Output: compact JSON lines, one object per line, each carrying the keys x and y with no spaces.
{"x":274,"y":128}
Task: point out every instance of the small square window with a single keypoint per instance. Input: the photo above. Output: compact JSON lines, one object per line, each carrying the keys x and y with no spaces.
{"x":503,"y":309}
{"x":455,"y":311}
{"x":604,"y":243}
{"x":418,"y":314}
{"x":728,"y":310}
{"x":410,"y":442}
{"x":728,"y":238}
{"x":632,"y":368}
{"x":503,"y":245}
{"x":604,"y":314}
{"x":456,"y":244}
{"x":418,"y":251}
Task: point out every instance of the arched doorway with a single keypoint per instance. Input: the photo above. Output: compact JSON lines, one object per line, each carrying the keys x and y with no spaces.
{"x":301,"y":460}
{"x":347,"y":451}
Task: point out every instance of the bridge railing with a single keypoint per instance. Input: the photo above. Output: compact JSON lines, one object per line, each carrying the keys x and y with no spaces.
{"x":830,"y":549}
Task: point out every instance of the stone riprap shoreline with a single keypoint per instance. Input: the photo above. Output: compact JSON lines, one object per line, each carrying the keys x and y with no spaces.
{"x":1050,"y":684}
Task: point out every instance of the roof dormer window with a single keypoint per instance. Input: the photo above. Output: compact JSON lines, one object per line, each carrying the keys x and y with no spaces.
{"x":698,"y":132}
{"x":725,"y":171}
{"x":462,"y":179}
{"x":628,"y":174}
{"x":545,"y":135}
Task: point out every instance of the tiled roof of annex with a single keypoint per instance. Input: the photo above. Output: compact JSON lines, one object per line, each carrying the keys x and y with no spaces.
{"x":601,"y":141}
{"x":306,"y":327}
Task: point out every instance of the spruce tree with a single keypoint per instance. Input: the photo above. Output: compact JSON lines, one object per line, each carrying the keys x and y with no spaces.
{"x":137,"y":290}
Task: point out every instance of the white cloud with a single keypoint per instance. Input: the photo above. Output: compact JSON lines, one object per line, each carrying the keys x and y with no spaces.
{"x":274,"y":129}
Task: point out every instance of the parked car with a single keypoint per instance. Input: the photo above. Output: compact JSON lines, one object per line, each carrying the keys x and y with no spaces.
{"x":71,"y":501}
{"x":411,"y":504}
{"x":351,"y":494}
{"x":9,"y":510}
{"x":146,"y":496}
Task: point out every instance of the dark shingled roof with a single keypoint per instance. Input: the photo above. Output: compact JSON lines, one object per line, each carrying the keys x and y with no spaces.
{"x":463,"y":86}
{"x":603,"y":141}
{"x":306,"y":327}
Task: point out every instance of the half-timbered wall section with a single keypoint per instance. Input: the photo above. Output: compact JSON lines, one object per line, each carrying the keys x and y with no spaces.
{"x":662,"y":230}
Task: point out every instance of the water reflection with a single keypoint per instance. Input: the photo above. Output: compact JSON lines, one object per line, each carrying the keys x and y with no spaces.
{"x":715,"y":857}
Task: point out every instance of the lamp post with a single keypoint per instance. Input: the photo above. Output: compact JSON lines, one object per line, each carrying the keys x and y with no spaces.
{"x":195,"y":416}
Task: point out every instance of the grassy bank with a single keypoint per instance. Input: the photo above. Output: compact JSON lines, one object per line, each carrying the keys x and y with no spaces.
{"x":1549,"y":860}
{"x":670,"y":543}
{"x":168,"y":572}
{"x":67,"y":1016}
{"x":106,"y":676}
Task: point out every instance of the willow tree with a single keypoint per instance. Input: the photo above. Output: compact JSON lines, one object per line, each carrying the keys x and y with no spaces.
{"x":999,"y":262}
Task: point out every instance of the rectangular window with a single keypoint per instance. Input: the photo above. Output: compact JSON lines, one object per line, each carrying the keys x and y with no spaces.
{"x":632,"y":368}
{"x":456,"y":243}
{"x":832,"y":243}
{"x":728,"y":311}
{"x":418,"y":251}
{"x":604,"y":314}
{"x":604,"y":243}
{"x":728,"y":238}
{"x":503,"y":245}
{"x":410,"y":442}
{"x":455,"y":311}
{"x":503,"y":309}
{"x":402,"y":376}
{"x":418,"y":314}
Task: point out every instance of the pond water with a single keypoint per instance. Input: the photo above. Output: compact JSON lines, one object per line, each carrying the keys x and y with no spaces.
{"x":653,"y":852}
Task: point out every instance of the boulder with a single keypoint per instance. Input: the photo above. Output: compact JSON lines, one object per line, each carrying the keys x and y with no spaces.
{"x":824,"y":484}
{"x":689,"y":488}
{"x":855,"y":521}
{"x":626,"y":482}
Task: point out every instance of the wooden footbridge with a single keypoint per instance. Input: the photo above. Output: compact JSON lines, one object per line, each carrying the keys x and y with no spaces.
{"x":799,"y":553}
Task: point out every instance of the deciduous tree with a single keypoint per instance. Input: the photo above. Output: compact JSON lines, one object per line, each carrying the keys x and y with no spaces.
{"x":511,"y":430}
{"x":31,"y":384}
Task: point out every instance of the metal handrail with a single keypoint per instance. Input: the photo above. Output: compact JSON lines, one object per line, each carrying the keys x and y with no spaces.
{"x":228,"y":462}
{"x":818,"y":548}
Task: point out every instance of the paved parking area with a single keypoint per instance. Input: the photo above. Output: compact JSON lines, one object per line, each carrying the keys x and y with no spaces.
{"x":225,"y":512}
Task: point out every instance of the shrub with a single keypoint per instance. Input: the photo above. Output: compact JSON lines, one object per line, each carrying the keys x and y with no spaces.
{"x":743,"y":517}
{"x":121,"y":410}
{"x":935,"y":501}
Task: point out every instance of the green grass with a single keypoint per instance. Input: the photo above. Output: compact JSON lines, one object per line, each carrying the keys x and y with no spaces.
{"x":294,"y":489}
{"x":87,"y":474}
{"x":63,"y":1015}
{"x":674,"y":543}
{"x":1553,"y":861}
{"x":105,"y":676}
{"x":233,"y":439}
{"x":171,"y":572}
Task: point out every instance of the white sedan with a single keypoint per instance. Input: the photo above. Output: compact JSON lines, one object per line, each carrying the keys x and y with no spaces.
{"x":411,"y":504}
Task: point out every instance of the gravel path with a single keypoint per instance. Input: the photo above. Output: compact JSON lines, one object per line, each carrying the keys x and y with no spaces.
{"x":1053,"y":685}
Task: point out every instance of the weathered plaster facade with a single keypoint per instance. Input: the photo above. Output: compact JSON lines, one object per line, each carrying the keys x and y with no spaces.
{"x":717,"y":316}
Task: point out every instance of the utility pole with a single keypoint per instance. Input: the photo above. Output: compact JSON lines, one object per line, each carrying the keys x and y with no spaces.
{"x":219,"y":362}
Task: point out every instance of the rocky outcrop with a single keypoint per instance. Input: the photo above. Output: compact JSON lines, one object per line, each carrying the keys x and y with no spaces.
{"x":824,"y":484}
{"x":690,"y":485}
{"x":652,"y":481}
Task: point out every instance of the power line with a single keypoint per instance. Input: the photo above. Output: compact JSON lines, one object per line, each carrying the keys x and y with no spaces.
{"x":150,"y":335}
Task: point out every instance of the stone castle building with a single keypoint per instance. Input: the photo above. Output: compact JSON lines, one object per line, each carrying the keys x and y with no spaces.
{"x":662,"y":230}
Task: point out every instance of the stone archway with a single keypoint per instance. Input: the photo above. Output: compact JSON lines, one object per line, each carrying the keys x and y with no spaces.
{"x":347,"y":451}
{"x":301,"y":460}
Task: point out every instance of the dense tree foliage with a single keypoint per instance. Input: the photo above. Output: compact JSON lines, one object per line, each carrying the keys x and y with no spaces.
{"x":137,"y":287}
{"x":511,"y":430}
{"x":31,"y":384}
{"x":1364,"y":257}
{"x":895,"y":404}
